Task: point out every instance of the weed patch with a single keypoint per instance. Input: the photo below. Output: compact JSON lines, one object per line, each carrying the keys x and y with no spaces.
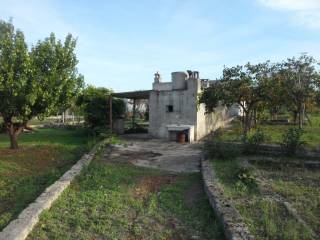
{"x":121,"y":201}
{"x":43,"y":157}
{"x":257,"y":194}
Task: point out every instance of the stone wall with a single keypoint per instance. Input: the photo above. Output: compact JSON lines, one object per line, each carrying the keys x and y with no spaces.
{"x":275,"y":149}
{"x":232,"y":222}
{"x":208,"y":122}
{"x":20,"y":228}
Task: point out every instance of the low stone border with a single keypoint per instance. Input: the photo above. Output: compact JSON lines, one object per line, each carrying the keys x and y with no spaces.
{"x":275,"y":149}
{"x":20,"y":228}
{"x":232,"y":222}
{"x":306,"y":164}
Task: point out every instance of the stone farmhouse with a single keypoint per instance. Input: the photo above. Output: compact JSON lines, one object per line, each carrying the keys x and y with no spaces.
{"x":174,"y":111}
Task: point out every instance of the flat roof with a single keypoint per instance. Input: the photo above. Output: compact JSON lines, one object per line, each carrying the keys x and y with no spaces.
{"x":143,"y":94}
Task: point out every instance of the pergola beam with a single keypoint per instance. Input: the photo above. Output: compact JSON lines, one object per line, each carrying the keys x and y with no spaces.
{"x":135,"y":95}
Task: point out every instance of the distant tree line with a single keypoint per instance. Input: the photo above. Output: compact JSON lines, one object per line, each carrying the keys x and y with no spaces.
{"x":293,"y":84}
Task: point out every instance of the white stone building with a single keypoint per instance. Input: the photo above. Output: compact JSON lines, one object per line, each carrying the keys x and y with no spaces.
{"x":174,"y":109}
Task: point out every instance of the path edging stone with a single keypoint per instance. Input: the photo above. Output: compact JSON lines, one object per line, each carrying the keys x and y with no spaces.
{"x":276,"y":149}
{"x":20,"y":228}
{"x":231,"y":220}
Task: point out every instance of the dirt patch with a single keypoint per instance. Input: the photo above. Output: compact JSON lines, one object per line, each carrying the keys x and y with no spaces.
{"x":130,"y":155}
{"x":8,"y":151}
{"x":179,"y":232}
{"x":5,"y":206}
{"x":127,"y":156}
{"x":31,"y":160}
{"x":152,"y":184}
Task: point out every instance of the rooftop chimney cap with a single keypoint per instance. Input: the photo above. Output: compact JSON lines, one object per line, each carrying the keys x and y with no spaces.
{"x":193,"y":74}
{"x":157,"y":77}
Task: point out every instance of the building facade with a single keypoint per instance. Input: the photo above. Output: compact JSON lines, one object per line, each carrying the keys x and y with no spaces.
{"x":174,"y":109}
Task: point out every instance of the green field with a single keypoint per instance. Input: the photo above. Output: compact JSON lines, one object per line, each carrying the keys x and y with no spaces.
{"x":261,"y":203}
{"x":121,"y":201}
{"x":42,"y":158}
{"x":274,"y":133}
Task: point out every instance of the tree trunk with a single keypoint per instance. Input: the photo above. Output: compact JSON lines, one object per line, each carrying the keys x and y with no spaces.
{"x":247,"y":123}
{"x":13,"y":131}
{"x":295,"y":114}
{"x":63,"y":117}
{"x":301,"y":115}
{"x":255,"y":118}
{"x":13,"y":140}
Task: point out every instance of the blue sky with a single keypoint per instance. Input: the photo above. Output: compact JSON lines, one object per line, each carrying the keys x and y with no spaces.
{"x":122,"y":43}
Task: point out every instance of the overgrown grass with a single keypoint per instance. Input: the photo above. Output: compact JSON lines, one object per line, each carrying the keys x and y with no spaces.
{"x":121,"y":201}
{"x":311,"y":132}
{"x":265,"y":216}
{"x":42,"y":158}
{"x":299,"y":186}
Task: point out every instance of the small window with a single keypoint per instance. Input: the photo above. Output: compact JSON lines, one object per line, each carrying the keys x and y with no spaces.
{"x":169,"y":108}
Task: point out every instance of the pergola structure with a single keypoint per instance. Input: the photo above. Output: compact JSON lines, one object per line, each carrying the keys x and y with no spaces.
{"x":135,"y":95}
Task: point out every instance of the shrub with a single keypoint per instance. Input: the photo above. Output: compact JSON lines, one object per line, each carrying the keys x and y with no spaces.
{"x":94,"y":104}
{"x":246,"y":181}
{"x":215,"y":148}
{"x":253,"y":141}
{"x":291,"y":141}
{"x":245,"y":175}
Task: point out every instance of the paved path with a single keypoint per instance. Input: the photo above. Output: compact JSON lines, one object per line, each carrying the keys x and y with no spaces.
{"x":154,"y":153}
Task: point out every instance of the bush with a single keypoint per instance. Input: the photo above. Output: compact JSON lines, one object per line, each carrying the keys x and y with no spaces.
{"x":291,"y":141}
{"x":246,"y":180}
{"x":245,"y":175}
{"x":94,"y":104}
{"x":253,"y":141}
{"x":215,"y":148}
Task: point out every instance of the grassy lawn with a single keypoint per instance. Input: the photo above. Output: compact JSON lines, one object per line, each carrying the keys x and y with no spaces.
{"x":42,"y":158}
{"x":266,"y":217}
{"x":299,"y":186}
{"x":121,"y":201}
{"x":275,"y":132}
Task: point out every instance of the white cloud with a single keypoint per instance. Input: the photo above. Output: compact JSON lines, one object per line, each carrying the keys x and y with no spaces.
{"x":292,"y":4}
{"x":305,"y":12}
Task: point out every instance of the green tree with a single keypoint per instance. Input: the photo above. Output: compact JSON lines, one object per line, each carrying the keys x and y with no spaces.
{"x":95,"y":106}
{"x":301,"y":82}
{"x":239,"y":85}
{"x":274,"y":94}
{"x":34,"y":83}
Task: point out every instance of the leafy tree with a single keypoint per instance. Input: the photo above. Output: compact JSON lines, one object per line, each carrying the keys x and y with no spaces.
{"x":213,"y":95}
{"x":34,"y":83}
{"x":274,"y":95}
{"x":301,"y":82}
{"x":238,"y":85}
{"x":94,"y":103}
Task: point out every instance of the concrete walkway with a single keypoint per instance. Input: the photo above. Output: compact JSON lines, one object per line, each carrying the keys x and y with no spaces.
{"x":154,"y":153}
